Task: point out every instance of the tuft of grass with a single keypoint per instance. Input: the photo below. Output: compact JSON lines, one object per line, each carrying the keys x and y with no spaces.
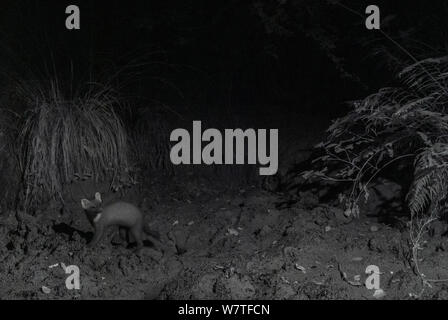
{"x":62,"y":140}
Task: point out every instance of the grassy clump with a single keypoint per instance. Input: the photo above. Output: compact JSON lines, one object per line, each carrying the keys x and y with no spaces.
{"x":61,"y":140}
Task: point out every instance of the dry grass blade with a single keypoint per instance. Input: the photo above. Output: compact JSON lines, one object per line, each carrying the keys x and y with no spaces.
{"x":60,"y":139}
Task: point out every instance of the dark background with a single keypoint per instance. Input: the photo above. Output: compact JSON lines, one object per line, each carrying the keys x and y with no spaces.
{"x":200,"y":57}
{"x":286,"y":64}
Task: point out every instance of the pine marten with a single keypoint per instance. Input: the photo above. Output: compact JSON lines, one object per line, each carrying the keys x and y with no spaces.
{"x":122,"y":214}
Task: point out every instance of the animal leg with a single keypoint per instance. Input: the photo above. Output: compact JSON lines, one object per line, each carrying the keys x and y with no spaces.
{"x":99,"y":232}
{"x":124,"y":233}
{"x":121,"y":236}
{"x":136,"y":232}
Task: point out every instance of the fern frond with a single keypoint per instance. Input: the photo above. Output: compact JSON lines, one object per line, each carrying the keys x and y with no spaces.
{"x":430,"y":179}
{"x":394,"y":123}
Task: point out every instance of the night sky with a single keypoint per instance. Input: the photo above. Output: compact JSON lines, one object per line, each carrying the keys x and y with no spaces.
{"x":310,"y":56}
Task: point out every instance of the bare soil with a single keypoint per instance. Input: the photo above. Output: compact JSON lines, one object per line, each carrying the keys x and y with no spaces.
{"x":222,"y":245}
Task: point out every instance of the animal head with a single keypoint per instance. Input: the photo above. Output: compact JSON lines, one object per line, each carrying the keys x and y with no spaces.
{"x":92,"y":205}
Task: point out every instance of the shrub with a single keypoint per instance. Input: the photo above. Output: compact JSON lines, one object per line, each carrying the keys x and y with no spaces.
{"x":395,"y":124}
{"x":408,"y":123}
{"x":61,"y":140}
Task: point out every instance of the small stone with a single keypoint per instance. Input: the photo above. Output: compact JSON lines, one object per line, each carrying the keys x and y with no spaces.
{"x":46,"y":290}
{"x":379,"y":294}
{"x":300,"y":268}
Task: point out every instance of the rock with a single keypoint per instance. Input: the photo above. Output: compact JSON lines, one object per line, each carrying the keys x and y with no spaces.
{"x":379,"y":294}
{"x":232,"y":232}
{"x":46,"y":290}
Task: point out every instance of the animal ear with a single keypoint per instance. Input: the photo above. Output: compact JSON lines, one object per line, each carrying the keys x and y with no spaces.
{"x":85,"y":203}
{"x":98,"y":196}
